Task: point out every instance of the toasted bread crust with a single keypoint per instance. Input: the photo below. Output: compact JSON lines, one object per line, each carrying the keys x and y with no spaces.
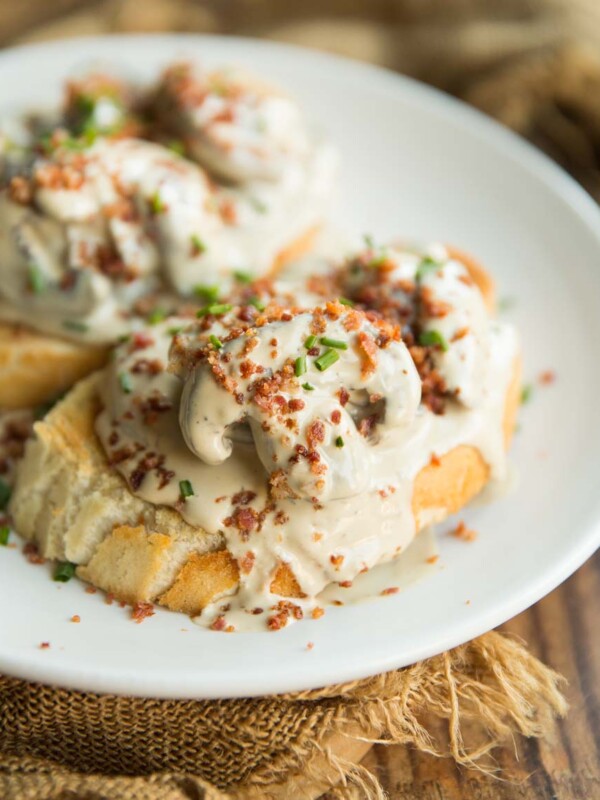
{"x":76,"y":507}
{"x":36,"y":368}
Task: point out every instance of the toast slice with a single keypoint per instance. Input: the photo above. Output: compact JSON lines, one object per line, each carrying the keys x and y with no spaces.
{"x":77,"y":508}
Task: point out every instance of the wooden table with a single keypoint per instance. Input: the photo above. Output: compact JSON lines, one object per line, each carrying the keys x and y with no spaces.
{"x":563,"y":630}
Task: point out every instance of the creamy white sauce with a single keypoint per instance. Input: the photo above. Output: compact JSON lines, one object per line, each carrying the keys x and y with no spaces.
{"x":183,"y":229}
{"x":364,"y":517}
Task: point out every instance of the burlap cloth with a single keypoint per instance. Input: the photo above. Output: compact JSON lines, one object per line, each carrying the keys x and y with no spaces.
{"x":534,"y":65}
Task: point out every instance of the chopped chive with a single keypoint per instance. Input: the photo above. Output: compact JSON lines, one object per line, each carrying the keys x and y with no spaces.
{"x":242,"y":276}
{"x":124,"y":338}
{"x":75,"y":325}
{"x":208,"y":293}
{"x":345,"y":302}
{"x":176,"y":146}
{"x":432,"y":339}
{"x":257,"y":303}
{"x":308,"y":386}
{"x":126,"y":382}
{"x":156,"y":316}
{"x":5,"y":493}
{"x":326,"y":360}
{"x":339,"y":442}
{"x":526,"y":393}
{"x":310,"y":341}
{"x":36,"y":279}
{"x":337,"y":343}
{"x":64,"y":571}
{"x":186,"y":489}
{"x":4,"y":534}
{"x":258,"y":205}
{"x":215,"y":308}
{"x":174,"y":331}
{"x":506,"y":303}
{"x":300,"y":366}
{"x":215,"y":341}
{"x":198,"y":244}
{"x":156,"y":204}
{"x":426,"y":265}
{"x":369,"y":241}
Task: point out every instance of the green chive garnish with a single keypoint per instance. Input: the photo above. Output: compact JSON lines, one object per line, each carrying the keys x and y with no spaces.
{"x":506,"y":303}
{"x":4,"y":534}
{"x":300,"y":366}
{"x":215,"y":308}
{"x":337,"y":343}
{"x":126,"y":382}
{"x":526,"y":393}
{"x":156,"y":316}
{"x":310,"y":341}
{"x":427,"y":265}
{"x":242,"y":277}
{"x":186,"y":489}
{"x":369,"y":241}
{"x":345,"y":302}
{"x":208,"y":293}
{"x":257,"y":303}
{"x":64,"y":571}
{"x":174,"y":331}
{"x":198,"y":244}
{"x":156,"y":204}
{"x":74,"y":325}
{"x":432,"y":339}
{"x":176,"y":146}
{"x":5,"y":493}
{"x":339,"y":442}
{"x":258,"y":205}
{"x":36,"y":279}
{"x":326,"y":360}
{"x":215,"y":341}
{"x":308,"y":386}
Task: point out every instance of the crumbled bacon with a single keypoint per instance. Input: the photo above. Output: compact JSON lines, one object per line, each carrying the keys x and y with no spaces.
{"x":247,"y":562}
{"x":462,"y":532}
{"x":368,"y":349}
{"x":141,"y":611}
{"x":32,"y":554}
{"x":20,"y":190}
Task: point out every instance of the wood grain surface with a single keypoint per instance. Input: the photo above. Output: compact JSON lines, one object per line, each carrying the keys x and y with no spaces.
{"x":562,"y":630}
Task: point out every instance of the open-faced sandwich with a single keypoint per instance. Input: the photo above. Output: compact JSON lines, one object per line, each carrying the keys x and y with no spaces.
{"x":294,"y":432}
{"x":129,"y":204}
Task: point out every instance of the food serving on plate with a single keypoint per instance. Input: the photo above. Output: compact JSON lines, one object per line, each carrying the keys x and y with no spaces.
{"x":107,"y":220}
{"x":263,"y":427}
{"x":293,"y":433}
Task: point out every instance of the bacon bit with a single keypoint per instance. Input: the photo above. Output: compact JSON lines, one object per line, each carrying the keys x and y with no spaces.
{"x":368,"y":348}
{"x":547,"y":377}
{"x":367,"y":424}
{"x":432,"y":559}
{"x":315,"y":433}
{"x":147,"y":366}
{"x":221,"y":498}
{"x":353,"y":320}
{"x":336,"y":416}
{"x":140,"y":341}
{"x":281,"y":518}
{"x":337,"y":561}
{"x":466,"y":279}
{"x":382,"y":493}
{"x":44,"y":645}
{"x":460,"y":334}
{"x":283,"y":610}
{"x":345,"y":584}
{"x":337,"y":603}
{"x":310,"y":645}
{"x":218,"y":624}
{"x":247,"y":562}
{"x":109,"y":598}
{"x":90,"y":590}
{"x":141,"y":611}
{"x":245,"y":519}
{"x":20,"y":190}
{"x":317,"y":537}
{"x":317,"y":612}
{"x":228,"y":212}
{"x":462,"y":532}
{"x":296,"y":404}
{"x":435,"y":460}
{"x":248,"y":368}
{"x":390,"y":590}
{"x":343,"y":396}
{"x":75,"y":618}
{"x":432,"y":306}
{"x":243,"y":498}
{"x":32,"y":554}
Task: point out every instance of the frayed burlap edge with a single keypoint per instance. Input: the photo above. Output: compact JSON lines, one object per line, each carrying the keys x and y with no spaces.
{"x":487,"y":691}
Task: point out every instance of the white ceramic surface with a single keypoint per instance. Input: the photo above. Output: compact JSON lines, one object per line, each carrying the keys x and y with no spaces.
{"x":416,"y":164}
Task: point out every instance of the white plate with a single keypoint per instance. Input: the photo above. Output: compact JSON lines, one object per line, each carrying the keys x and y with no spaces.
{"x":415,"y":164}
